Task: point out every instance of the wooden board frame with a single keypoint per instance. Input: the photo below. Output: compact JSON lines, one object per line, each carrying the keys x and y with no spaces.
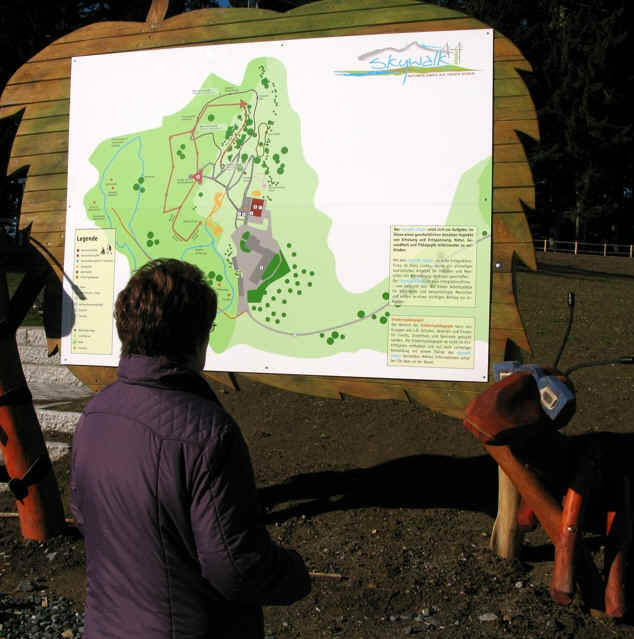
{"x":40,"y":91}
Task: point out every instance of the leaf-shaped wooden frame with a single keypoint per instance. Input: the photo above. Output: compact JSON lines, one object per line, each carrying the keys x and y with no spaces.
{"x":41,"y":89}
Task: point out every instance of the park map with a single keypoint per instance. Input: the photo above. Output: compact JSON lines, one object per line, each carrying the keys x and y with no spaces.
{"x":223,"y":183}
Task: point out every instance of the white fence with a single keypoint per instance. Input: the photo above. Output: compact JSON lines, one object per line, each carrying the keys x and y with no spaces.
{"x":586,"y":248}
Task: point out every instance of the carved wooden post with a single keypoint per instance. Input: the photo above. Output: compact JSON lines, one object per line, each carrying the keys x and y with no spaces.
{"x":28,"y":466}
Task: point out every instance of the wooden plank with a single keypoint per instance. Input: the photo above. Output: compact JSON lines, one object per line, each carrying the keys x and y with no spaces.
{"x":510,"y":199}
{"x":50,"y":200}
{"x":504,"y":49}
{"x":37,"y":110}
{"x":319,"y":387}
{"x":36,"y":92}
{"x":502,"y":288}
{"x":45,"y":182}
{"x":514,"y":107}
{"x":95,"y":377}
{"x":509,"y":153}
{"x":56,"y":123}
{"x":509,"y":68}
{"x":505,"y":316}
{"x":334,"y":6}
{"x":56,"y":142}
{"x":10,"y":111}
{"x":504,"y":132}
{"x":45,"y":221}
{"x":510,"y":227}
{"x":40,"y":164}
{"x":517,"y":336}
{"x":509,"y":87}
{"x":503,"y":256}
{"x":512,"y":174}
{"x":50,"y":239}
{"x":40,"y":71}
{"x":281,"y":28}
{"x":450,"y":403}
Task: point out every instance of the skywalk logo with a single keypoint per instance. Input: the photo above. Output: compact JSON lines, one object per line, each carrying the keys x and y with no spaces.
{"x":414,"y":59}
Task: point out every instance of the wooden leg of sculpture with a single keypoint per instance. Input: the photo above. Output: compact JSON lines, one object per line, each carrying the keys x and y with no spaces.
{"x":562,"y":583}
{"x":506,"y":538}
{"x":548,"y":512}
{"x":619,"y":531}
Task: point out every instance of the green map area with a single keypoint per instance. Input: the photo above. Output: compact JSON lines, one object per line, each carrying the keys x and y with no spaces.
{"x":224,"y":185}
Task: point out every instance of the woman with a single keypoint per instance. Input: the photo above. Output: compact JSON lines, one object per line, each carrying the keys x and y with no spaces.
{"x":162,"y":484}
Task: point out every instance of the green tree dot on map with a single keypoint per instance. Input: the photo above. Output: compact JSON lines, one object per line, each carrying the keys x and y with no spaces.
{"x":141,"y":180}
{"x":386,"y":296}
{"x":254,"y":308}
{"x":284,"y":302}
{"x":200,"y":194}
{"x":294,"y":265}
{"x":273,"y":298}
{"x":211,"y":275}
{"x":303,"y":271}
{"x":249,"y":121}
{"x":284,"y":149}
{"x":277,"y":321}
{"x":211,"y":117}
{"x":312,"y":273}
{"x":342,"y":336}
{"x":299,"y":292}
{"x":361,"y":314}
{"x":156,"y":242}
{"x":330,"y":341}
{"x":135,"y":186}
{"x":260,"y":308}
{"x":276,"y":157}
{"x":290,"y":290}
{"x":218,"y":278}
{"x":387,"y":313}
{"x":293,"y":254}
{"x":280,"y":171}
{"x":268,"y":319}
{"x":383,"y":320}
{"x":279,"y":290}
{"x":142,"y":190}
{"x":287,"y":281}
{"x":244,"y":157}
{"x":150,"y":234}
{"x":310,"y":283}
{"x":373,"y":315}
{"x":283,"y":314}
{"x":150,"y":243}
{"x":289,"y":245}
{"x":321,"y":335}
{"x":182,"y":146}
{"x":484,"y":233}
{"x":334,"y":334}
{"x":257,"y":160}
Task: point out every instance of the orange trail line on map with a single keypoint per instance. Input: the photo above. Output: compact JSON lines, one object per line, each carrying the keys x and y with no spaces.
{"x":233,"y":317}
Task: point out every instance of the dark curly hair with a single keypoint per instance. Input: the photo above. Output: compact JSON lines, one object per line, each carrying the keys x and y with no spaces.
{"x":166,"y":309}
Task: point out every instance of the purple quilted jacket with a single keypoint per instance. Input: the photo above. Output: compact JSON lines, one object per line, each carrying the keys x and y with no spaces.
{"x":164,"y":494}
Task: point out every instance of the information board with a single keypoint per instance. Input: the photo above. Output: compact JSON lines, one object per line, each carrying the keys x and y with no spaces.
{"x":336,"y":193}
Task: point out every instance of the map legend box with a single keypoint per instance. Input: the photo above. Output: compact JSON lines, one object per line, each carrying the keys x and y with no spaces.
{"x":93,"y":276}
